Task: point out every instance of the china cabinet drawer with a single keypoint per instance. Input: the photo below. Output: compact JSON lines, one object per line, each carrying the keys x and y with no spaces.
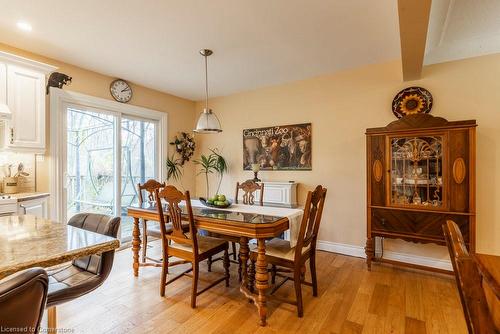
{"x":414,"y":224}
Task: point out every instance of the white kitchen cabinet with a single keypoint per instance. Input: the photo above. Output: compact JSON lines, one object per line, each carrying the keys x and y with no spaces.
{"x":22,"y":83}
{"x":36,"y":207}
{"x":26,"y":100}
{"x":3,"y":83}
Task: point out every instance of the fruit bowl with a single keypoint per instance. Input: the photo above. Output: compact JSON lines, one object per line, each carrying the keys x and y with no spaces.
{"x":205,"y":202}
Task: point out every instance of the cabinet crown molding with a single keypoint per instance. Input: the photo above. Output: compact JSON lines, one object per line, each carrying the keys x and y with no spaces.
{"x":26,"y":62}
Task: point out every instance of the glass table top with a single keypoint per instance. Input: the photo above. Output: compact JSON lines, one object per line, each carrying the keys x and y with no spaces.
{"x":221,"y":214}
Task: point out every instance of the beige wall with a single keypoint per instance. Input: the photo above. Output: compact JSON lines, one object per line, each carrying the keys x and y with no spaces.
{"x":341,"y":107}
{"x":181,"y":111}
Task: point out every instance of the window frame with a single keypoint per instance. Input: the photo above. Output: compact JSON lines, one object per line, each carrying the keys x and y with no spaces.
{"x":59,"y":101}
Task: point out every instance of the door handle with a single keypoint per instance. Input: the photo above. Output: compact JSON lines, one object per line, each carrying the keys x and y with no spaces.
{"x":24,"y":208}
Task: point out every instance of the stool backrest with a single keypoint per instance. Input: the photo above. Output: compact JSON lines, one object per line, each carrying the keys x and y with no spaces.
{"x":22,"y":301}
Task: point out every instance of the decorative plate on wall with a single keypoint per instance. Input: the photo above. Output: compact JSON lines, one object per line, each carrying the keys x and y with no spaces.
{"x":412,"y":100}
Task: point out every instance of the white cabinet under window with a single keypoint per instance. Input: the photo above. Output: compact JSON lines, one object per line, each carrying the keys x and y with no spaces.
{"x":277,"y":193}
{"x":22,"y":88}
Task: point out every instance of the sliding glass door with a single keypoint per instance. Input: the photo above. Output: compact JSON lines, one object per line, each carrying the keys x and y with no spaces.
{"x":107,"y":154}
{"x":138,"y":162}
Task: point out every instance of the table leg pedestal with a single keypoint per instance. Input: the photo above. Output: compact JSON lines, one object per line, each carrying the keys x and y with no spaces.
{"x":261,"y":280}
{"x":136,"y":246}
{"x":261,"y":277}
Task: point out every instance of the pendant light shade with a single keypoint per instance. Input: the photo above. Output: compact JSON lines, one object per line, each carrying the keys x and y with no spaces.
{"x":208,"y":121}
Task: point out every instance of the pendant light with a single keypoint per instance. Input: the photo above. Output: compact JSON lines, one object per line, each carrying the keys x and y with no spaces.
{"x":208,"y":121}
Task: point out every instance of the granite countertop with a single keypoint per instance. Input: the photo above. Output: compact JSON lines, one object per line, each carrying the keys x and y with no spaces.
{"x":28,"y":241}
{"x":29,"y":196}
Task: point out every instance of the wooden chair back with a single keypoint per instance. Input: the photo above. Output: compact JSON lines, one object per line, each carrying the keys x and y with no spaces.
{"x":474,"y":304}
{"x":173,"y":197}
{"x":249,"y":188}
{"x":149,"y":187}
{"x":309,"y":226}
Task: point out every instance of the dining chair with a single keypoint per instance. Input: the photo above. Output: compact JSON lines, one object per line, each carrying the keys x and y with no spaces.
{"x":187,"y":246}
{"x":468,"y":278}
{"x":249,"y":188}
{"x":279,"y":252}
{"x":84,"y":274}
{"x":149,"y":230}
{"x":22,"y":301}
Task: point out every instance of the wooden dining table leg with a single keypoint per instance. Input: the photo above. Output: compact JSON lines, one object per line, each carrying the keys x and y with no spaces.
{"x":261,"y":280}
{"x":136,"y":245}
{"x":244,"y":251}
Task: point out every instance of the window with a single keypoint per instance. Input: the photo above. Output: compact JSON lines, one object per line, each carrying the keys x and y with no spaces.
{"x":104,"y":153}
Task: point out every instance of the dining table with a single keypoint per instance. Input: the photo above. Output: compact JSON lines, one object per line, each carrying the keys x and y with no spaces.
{"x":246,"y":222}
{"x":28,"y":241}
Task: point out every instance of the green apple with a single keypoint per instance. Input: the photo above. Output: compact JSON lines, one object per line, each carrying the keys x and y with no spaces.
{"x":210,"y":201}
{"x":226,"y":202}
{"x":222,"y":198}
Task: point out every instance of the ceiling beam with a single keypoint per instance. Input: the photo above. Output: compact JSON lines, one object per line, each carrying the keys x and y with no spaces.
{"x":413,"y":24}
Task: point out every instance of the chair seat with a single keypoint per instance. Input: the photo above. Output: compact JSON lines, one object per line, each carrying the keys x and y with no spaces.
{"x":279,"y":248}
{"x":69,"y":282}
{"x":153,"y":229}
{"x":205,"y":245}
{"x":67,"y":277}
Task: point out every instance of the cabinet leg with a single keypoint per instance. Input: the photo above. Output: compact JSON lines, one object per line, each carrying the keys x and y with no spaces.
{"x":370,"y":252}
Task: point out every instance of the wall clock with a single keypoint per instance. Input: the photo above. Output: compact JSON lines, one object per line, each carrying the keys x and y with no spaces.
{"x":120,"y":90}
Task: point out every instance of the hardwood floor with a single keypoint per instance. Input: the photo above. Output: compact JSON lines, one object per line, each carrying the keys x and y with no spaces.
{"x":351,"y":300}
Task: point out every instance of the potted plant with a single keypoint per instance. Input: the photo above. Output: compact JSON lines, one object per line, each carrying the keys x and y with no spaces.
{"x":212,"y":163}
{"x":174,"y":169}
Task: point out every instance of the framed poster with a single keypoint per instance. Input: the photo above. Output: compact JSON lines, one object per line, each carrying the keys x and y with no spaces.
{"x":284,"y":147}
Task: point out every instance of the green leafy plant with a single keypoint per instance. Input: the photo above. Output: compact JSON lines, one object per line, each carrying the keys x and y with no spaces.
{"x":174,"y":168}
{"x":212,"y":163}
{"x":220,"y":166}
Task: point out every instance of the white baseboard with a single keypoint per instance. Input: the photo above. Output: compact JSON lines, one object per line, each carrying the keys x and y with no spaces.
{"x":359,"y":251}
{"x":346,"y":249}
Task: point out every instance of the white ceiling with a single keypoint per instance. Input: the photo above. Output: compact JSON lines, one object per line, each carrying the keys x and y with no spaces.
{"x":256,"y":42}
{"x":461,"y":29}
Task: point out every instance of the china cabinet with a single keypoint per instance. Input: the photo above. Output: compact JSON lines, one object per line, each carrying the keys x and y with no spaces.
{"x":420,"y":173}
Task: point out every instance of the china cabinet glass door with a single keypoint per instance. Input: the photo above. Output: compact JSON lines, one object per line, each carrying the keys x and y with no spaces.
{"x":417,"y":171}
